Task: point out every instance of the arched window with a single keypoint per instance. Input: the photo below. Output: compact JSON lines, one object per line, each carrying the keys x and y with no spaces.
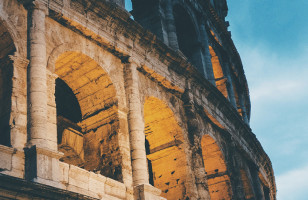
{"x":216,"y":169}
{"x":87,"y":110}
{"x":6,"y":74}
{"x":247,"y":185}
{"x":187,"y":37}
{"x":220,"y":79}
{"x":70,"y":137}
{"x":164,"y":148}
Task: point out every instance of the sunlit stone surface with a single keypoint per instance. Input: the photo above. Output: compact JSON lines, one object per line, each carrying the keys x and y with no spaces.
{"x":96,"y":105}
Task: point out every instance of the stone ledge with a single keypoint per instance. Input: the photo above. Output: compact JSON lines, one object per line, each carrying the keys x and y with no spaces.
{"x":147,"y":192}
{"x":16,"y":187}
{"x":6,"y":154}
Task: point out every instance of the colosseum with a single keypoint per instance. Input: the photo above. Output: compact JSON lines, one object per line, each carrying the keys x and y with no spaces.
{"x":100,"y":103}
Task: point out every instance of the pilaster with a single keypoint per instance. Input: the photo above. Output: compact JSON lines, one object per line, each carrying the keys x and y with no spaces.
{"x":194,"y":135}
{"x":209,"y":74}
{"x":230,"y":87}
{"x":142,"y":189}
{"x":41,"y":153}
{"x":37,"y":80}
{"x":136,"y":126}
{"x":18,"y":118}
{"x":243,"y":107}
{"x":258,"y":190}
{"x":171,"y":29}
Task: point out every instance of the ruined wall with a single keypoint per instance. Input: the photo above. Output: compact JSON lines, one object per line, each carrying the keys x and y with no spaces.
{"x":101,"y":107}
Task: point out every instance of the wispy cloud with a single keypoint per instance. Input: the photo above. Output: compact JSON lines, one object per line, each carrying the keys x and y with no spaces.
{"x":271,"y":77}
{"x":293,"y":184}
{"x":279,"y":92}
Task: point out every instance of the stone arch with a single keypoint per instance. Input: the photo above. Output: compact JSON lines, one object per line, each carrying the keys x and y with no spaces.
{"x":6,"y":23}
{"x":248,"y":190}
{"x":187,"y":35}
{"x":6,"y":74}
{"x":220,"y":78}
{"x":91,"y":142}
{"x":103,"y":58}
{"x":216,"y":169}
{"x":165,"y":149}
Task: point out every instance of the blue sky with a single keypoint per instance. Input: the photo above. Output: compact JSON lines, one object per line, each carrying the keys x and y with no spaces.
{"x":272,"y":39}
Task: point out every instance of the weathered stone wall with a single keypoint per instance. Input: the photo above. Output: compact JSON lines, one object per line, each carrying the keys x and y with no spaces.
{"x":148,"y":116}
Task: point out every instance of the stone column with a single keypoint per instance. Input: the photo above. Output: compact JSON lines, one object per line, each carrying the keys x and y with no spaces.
{"x":18,"y":119}
{"x":236,"y":180}
{"x":37,"y":91}
{"x":142,"y":188}
{"x":195,"y":136}
{"x":171,"y":29}
{"x":209,"y":74}
{"x":136,"y":126}
{"x":230,"y":86}
{"x":199,"y":172}
{"x":243,"y":107}
{"x":257,"y":187}
{"x":42,"y":156}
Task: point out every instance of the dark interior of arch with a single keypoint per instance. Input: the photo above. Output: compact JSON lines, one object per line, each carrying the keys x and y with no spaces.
{"x":67,"y":103}
{"x":68,"y":115}
{"x":6,"y":74}
{"x":187,"y":37}
{"x":150,"y":167}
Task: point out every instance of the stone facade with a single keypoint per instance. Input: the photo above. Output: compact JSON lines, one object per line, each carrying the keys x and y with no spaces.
{"x":96,"y":105}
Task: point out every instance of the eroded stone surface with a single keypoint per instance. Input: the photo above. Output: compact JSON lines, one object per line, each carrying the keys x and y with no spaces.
{"x":101,"y":107}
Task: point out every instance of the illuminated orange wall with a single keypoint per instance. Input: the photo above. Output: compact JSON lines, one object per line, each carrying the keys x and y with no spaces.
{"x":215,"y":167}
{"x":220,"y":80}
{"x":166,"y":149}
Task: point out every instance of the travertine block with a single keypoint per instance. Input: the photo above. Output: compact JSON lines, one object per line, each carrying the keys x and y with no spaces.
{"x":97,"y":183}
{"x":79,"y":177}
{"x":6,"y":157}
{"x":114,"y":188}
{"x":64,"y":172}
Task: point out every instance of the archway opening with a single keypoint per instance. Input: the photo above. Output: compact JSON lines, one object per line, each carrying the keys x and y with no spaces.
{"x":220,"y":79}
{"x":265,"y":187}
{"x":187,"y":37}
{"x":7,"y":48}
{"x":247,"y":185}
{"x":164,"y":148}
{"x":216,"y":169}
{"x":87,"y":110}
{"x":70,"y":137}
